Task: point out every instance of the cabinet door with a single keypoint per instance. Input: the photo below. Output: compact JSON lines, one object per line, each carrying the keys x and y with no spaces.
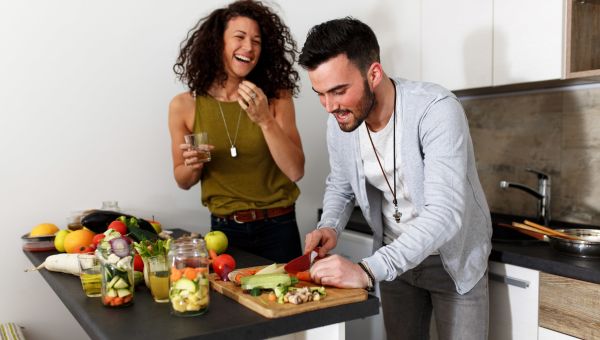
{"x":528,"y":40}
{"x":514,"y":299}
{"x":457,"y":43}
{"x":548,"y":334}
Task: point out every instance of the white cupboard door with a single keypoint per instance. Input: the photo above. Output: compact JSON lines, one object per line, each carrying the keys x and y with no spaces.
{"x":457,"y":43}
{"x":548,"y":334}
{"x":400,"y":38}
{"x":528,"y":40}
{"x":514,"y":300}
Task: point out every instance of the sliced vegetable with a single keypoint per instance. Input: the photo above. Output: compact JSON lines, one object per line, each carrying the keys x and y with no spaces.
{"x":266,"y":281}
{"x":304,"y":276}
{"x":119,"y":246}
{"x":271,"y":269}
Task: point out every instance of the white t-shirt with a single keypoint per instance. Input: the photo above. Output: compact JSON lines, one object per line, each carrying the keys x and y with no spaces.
{"x":383,"y":141}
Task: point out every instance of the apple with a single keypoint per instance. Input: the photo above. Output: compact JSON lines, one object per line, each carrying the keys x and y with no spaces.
{"x":216,"y":240}
{"x":156,"y":225}
{"x":118,"y":226}
{"x":59,"y":240}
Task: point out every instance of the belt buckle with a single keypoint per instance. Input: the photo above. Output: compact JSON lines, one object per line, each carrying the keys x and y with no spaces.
{"x":253,"y":212}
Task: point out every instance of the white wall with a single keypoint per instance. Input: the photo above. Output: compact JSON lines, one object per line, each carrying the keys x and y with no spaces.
{"x":84,"y":89}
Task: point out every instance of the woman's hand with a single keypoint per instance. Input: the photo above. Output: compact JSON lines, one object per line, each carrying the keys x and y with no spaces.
{"x":194,"y":158}
{"x":253,"y":100}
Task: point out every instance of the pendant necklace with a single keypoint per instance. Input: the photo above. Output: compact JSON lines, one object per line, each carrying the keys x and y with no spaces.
{"x":396,"y":214}
{"x":233,"y":149}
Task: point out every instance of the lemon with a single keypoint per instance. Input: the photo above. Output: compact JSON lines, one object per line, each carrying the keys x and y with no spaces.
{"x":43,"y":229}
{"x":59,"y":240}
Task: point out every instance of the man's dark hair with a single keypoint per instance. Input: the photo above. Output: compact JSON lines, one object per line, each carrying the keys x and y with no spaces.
{"x":200,"y":61}
{"x":340,"y":36}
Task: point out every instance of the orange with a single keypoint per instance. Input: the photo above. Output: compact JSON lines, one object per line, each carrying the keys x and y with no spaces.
{"x":43,"y":229}
{"x":77,"y":239}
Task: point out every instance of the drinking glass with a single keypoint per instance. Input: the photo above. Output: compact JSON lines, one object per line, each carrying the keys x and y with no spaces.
{"x":159,"y":278}
{"x":91,"y":280}
{"x":195,"y":140}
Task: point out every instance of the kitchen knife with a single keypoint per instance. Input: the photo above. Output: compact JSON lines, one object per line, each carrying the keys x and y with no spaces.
{"x":302,"y":263}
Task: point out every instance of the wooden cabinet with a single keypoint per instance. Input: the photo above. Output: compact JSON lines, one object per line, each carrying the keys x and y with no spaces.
{"x":457,"y":43}
{"x":528,"y":41}
{"x":570,"y":306}
{"x":514,"y":293}
{"x":583,"y":38}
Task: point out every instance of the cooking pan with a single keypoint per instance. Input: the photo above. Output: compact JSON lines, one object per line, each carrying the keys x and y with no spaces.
{"x":586,"y":245}
{"x":576,"y":242}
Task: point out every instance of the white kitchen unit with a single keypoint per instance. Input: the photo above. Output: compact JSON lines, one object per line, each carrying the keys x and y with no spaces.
{"x":457,"y":43}
{"x":528,"y":41}
{"x":548,"y":334}
{"x":356,"y":246}
{"x":514,"y":300}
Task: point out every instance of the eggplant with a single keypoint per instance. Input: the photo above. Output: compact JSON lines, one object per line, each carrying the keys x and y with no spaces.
{"x":98,"y":221}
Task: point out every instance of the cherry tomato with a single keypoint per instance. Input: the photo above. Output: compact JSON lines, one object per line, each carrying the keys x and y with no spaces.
{"x":138,"y":264}
{"x":118,"y":226}
{"x":97,"y":238}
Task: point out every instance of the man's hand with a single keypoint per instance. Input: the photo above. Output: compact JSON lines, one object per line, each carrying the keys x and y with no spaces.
{"x":338,"y":271}
{"x":326,"y":238}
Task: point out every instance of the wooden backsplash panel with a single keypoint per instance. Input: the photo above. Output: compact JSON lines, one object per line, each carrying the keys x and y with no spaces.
{"x":556,"y":131}
{"x":569,"y":306}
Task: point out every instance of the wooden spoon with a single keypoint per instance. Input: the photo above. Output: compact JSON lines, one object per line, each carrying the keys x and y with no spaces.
{"x":551,"y":232}
{"x":534,"y":234}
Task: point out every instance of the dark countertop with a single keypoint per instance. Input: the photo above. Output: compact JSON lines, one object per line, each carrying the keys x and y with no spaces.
{"x":225,"y":319}
{"x":512,"y":247}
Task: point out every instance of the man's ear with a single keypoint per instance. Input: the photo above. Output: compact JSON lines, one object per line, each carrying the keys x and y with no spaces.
{"x":374,"y":74}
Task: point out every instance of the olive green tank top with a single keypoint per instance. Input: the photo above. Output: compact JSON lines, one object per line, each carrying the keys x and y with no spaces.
{"x":251,"y":180}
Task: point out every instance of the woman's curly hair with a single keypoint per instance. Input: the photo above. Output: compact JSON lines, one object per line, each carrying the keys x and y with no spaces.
{"x":200,"y":61}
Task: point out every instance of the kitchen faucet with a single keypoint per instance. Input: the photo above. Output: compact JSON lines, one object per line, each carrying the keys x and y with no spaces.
{"x":543,"y":193}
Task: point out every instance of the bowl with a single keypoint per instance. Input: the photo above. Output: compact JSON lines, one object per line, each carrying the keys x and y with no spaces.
{"x":38,"y":243}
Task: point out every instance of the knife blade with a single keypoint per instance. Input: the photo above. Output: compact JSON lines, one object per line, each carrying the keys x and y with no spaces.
{"x":301,"y":263}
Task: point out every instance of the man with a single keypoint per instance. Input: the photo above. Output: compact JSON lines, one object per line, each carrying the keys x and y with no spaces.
{"x":411,"y":169}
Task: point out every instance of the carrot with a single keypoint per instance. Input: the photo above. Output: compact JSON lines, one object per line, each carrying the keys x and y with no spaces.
{"x":213,"y":254}
{"x":272,"y":296}
{"x":201,"y":270}
{"x":304,"y":276}
{"x":127,"y":298}
{"x":190,"y":273}
{"x":175,"y":274}
{"x":107,"y":299}
{"x":116,"y":301}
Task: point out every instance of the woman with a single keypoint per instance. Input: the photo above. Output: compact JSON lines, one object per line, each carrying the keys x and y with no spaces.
{"x":237,"y":64}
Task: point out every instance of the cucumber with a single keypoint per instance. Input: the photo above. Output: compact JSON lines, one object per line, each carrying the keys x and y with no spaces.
{"x":112,"y":282}
{"x":266,"y":281}
{"x":111,"y":293}
{"x":120,"y":284}
{"x":185,"y":284}
{"x":123,"y":292}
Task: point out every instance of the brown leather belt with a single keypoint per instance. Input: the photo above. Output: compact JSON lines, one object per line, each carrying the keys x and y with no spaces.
{"x":251,"y":215}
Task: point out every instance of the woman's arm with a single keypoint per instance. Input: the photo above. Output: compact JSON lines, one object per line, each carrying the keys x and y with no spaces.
{"x":181,"y":122}
{"x":277,"y":121}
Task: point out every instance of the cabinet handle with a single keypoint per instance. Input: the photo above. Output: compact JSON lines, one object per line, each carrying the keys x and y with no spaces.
{"x":509,"y":280}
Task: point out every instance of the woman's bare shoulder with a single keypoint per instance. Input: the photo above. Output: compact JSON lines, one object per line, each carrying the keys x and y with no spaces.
{"x":182,"y":104}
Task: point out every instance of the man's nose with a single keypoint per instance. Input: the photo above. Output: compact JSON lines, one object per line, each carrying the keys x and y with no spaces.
{"x":330,"y":104}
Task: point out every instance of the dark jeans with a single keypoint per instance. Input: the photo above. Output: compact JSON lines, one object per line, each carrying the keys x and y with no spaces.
{"x":409,"y":300}
{"x":276,"y":238}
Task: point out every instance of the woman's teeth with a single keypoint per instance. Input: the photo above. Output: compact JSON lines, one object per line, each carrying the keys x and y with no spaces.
{"x":242,"y":58}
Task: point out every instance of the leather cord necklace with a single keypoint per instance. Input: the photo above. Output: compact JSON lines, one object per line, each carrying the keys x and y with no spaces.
{"x":233,"y":149}
{"x":396,"y":214}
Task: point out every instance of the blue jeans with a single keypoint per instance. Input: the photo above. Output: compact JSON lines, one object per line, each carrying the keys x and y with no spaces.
{"x":274,"y":238}
{"x":409,"y":300}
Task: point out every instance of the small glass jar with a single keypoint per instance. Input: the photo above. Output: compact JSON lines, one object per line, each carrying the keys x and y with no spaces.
{"x":188,"y":277}
{"x":117,"y":278}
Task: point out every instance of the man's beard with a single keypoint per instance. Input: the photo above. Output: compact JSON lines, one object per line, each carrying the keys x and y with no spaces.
{"x":366,"y":104}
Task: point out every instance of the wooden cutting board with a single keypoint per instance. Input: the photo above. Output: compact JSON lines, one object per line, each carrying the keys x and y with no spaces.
{"x":272,"y":309}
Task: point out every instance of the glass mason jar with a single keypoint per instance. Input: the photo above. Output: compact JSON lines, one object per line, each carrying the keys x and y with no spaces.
{"x":188,"y":277}
{"x":117,"y":278}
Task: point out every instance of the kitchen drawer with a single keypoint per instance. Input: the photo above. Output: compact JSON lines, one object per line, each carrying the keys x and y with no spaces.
{"x":570,"y":306}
